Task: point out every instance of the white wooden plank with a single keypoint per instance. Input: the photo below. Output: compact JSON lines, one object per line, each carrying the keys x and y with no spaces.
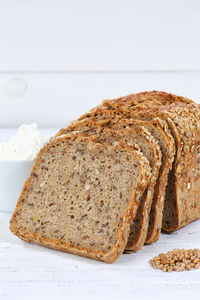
{"x":29,"y":271}
{"x":52,"y":100}
{"x":99,"y":35}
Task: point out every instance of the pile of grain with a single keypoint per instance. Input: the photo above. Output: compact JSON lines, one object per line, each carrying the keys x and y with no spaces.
{"x":177,"y":260}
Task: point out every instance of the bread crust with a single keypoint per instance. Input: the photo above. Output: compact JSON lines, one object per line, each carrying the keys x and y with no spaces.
{"x":150,"y":98}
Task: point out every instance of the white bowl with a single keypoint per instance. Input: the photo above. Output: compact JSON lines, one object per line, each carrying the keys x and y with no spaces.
{"x":13,"y":174}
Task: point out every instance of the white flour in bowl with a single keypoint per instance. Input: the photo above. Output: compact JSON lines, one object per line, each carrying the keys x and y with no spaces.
{"x":24,"y":145}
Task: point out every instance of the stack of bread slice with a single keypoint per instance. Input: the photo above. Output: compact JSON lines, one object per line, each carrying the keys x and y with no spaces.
{"x":116,"y":177}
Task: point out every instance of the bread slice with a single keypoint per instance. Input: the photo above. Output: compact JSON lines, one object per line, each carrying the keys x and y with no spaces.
{"x":159,"y":129}
{"x":150,"y":149}
{"x":81,"y":197}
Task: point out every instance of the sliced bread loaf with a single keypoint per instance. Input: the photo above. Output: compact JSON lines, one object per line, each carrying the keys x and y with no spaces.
{"x":81,"y":197}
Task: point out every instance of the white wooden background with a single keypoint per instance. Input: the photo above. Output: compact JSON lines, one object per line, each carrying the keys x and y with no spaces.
{"x":58,"y":58}
{"x":30,"y":272}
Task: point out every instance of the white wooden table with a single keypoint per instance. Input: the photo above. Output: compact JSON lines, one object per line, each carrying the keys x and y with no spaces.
{"x":28,"y":271}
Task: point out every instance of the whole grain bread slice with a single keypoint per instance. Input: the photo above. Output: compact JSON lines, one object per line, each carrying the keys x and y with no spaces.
{"x":150,"y":149}
{"x":81,"y":196}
